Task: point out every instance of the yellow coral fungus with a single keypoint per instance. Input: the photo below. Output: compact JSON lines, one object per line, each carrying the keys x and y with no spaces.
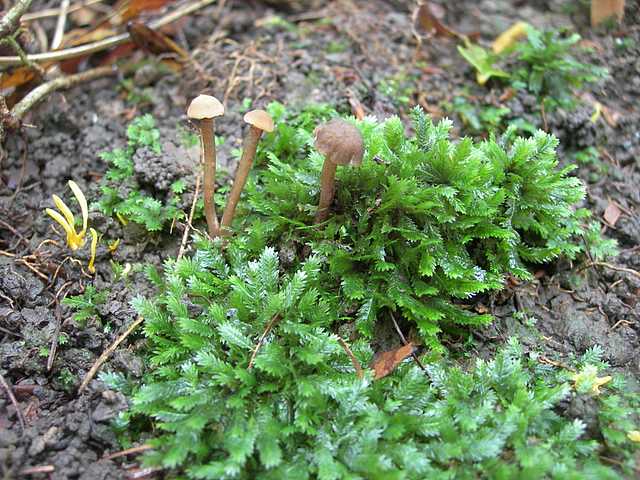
{"x":75,"y":240}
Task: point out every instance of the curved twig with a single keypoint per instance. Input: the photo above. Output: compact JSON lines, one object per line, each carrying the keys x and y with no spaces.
{"x":10,"y":22}
{"x":103,"y":358}
{"x":104,"y":44}
{"x":13,"y":400}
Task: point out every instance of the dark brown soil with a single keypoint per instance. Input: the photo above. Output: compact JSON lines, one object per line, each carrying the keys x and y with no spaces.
{"x":348,"y":61}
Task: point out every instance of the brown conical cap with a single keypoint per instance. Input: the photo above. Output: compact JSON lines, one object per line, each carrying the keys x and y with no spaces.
{"x":340,"y":142}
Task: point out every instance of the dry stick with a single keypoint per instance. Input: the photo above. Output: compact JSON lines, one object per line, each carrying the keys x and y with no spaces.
{"x":62,"y":19}
{"x":123,"y":453}
{"x":54,"y":12}
{"x":270,"y":325}
{"x":611,"y":267}
{"x":104,"y":44}
{"x":41,"y":91}
{"x":354,"y":360}
{"x":103,"y":358}
{"x":185,"y":235}
{"x":10,"y":22}
{"x":39,"y":469}
{"x":56,"y":333}
{"x":404,"y":341}
{"x":12,"y":397}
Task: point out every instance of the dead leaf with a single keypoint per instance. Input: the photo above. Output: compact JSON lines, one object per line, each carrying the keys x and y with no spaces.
{"x":356,"y":108}
{"x":386,"y":362}
{"x":481,"y":308}
{"x":18,"y":77}
{"x":83,"y":16}
{"x":612,"y":214}
{"x":507,"y":95}
{"x":425,"y":22}
{"x":612,"y":117}
{"x":152,"y":41}
{"x":602,"y":10}
{"x":132,"y":8}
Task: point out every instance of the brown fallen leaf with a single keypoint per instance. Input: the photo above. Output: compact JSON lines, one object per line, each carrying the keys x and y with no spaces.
{"x":602,"y":10}
{"x":356,"y":107}
{"x":17,"y":77}
{"x":153,"y":41}
{"x":384,"y":363}
{"x":425,"y":22}
{"x":612,"y":214}
{"x":132,"y":8}
{"x":610,"y":116}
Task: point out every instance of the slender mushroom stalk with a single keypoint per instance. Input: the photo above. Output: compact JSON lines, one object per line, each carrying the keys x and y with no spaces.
{"x":341,"y":144}
{"x":205,"y":108}
{"x":259,"y":122}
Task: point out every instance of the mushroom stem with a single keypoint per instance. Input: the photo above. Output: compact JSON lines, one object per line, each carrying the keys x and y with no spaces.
{"x":327,"y":190}
{"x":246,"y":161}
{"x":209,"y":187}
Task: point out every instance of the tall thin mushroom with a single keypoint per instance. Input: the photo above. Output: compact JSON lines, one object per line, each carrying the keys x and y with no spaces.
{"x":204,"y":108}
{"x":341,"y":144}
{"x":259,"y":121}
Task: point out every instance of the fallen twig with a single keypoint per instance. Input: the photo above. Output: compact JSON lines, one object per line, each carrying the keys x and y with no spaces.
{"x":268,"y":328}
{"x":404,"y":341}
{"x":41,"y":91}
{"x":611,"y":267}
{"x":54,"y":12}
{"x":104,"y":44}
{"x":39,"y":469}
{"x":354,"y":360}
{"x":12,"y":398}
{"x":62,"y":20}
{"x":185,"y":235}
{"x":56,"y":333}
{"x":10,"y":22}
{"x":123,"y":453}
{"x":103,"y":358}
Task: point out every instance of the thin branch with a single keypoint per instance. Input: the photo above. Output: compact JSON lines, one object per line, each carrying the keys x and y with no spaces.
{"x":38,"y":469}
{"x":62,"y":20}
{"x":185,"y":235}
{"x":123,"y":453}
{"x":103,"y":358}
{"x":404,"y":340}
{"x":13,"y":400}
{"x":268,"y":328}
{"x":354,"y":360}
{"x":104,"y":44}
{"x":54,"y":12}
{"x":611,"y":267}
{"x":10,"y":22}
{"x":37,"y":94}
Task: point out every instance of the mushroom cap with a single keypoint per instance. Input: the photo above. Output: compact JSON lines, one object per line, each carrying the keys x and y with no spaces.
{"x":340,"y":142}
{"x":259,"y":119}
{"x":205,"y":106}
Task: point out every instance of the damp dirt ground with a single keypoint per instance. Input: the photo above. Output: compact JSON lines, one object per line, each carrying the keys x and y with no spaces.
{"x":362,"y":57}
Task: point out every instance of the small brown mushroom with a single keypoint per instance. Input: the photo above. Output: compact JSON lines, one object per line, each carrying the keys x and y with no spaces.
{"x":259,"y":121}
{"x":205,"y":108}
{"x":341,"y":144}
